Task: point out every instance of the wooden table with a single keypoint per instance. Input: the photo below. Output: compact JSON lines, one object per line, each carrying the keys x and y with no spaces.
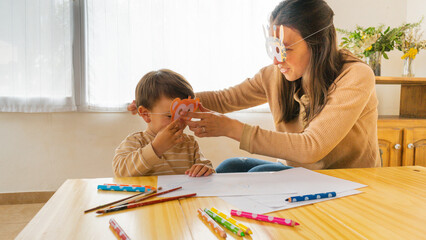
{"x":393,"y":206}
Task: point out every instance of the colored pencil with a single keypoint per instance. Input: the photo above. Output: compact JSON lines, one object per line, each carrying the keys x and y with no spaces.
{"x":141,"y":198}
{"x":128,"y":185}
{"x":123,"y":188}
{"x":212,"y":223}
{"x":138,"y":198}
{"x":121,"y":200}
{"x":225,"y":223}
{"x":141,"y":204}
{"x":311,"y":197}
{"x":118,"y":230}
{"x":264,"y":218}
{"x":233,"y":221}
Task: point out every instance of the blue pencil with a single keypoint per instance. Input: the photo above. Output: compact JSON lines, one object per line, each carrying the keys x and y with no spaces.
{"x":311,"y":197}
{"x":123,"y":188}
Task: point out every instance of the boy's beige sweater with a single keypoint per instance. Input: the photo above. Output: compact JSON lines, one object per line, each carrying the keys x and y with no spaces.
{"x":136,"y":157}
{"x":342,"y":135}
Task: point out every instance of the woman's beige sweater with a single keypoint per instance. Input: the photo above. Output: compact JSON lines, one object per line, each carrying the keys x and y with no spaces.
{"x":342,"y":135}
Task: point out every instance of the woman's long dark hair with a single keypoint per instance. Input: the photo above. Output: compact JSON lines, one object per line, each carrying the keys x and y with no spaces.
{"x":326,"y":62}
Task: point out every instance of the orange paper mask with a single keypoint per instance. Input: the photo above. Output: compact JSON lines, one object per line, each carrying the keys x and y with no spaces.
{"x":179,"y":106}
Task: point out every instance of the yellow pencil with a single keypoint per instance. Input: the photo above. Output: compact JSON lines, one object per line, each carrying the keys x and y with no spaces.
{"x":233,"y":221}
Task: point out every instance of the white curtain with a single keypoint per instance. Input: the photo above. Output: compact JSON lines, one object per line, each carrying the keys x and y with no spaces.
{"x":35,"y":56}
{"x":213,"y":43}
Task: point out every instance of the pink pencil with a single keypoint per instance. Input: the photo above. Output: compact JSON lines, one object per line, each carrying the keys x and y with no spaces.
{"x":264,"y":218}
{"x":117,"y":229}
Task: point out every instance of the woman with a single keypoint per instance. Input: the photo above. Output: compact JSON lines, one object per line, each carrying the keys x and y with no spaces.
{"x":323,"y":100}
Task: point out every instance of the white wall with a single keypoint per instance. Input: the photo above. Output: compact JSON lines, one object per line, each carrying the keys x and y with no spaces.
{"x":39,"y":151}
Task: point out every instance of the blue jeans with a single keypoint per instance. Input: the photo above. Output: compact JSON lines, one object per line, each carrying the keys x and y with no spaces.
{"x":243,"y":164}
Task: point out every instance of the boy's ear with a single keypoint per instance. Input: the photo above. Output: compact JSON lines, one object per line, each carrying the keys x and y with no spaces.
{"x":144,"y":113}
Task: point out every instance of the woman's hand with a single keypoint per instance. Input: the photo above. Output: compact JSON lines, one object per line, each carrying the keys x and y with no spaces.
{"x":213,"y":124}
{"x":132,"y":108}
{"x":198,"y":170}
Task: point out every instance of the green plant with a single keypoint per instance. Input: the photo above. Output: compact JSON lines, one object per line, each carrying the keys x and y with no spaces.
{"x":363,"y":42}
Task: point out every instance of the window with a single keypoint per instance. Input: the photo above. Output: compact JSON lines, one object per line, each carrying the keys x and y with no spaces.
{"x":93,"y":52}
{"x":36,"y":56}
{"x":215,"y":44}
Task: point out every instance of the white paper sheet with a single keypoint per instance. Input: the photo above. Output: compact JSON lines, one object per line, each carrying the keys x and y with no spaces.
{"x":295,"y":180}
{"x":270,"y":203}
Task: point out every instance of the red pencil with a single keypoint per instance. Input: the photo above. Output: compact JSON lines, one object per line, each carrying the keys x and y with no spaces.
{"x":144,"y":197}
{"x":124,"y":199}
{"x":135,"y":205}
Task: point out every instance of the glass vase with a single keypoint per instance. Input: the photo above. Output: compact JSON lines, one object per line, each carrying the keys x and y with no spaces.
{"x":408,"y":67}
{"x":374,"y":61}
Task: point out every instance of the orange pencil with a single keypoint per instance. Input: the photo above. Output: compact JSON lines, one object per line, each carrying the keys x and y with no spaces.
{"x":212,"y":223}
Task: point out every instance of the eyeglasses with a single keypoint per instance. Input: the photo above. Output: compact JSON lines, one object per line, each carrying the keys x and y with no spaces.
{"x":275,"y":46}
{"x":165,"y":114}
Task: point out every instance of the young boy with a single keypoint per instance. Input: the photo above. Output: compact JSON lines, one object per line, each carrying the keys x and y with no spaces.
{"x":163,"y":148}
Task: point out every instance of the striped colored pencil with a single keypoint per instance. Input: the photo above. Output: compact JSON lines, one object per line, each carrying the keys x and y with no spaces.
{"x":311,"y":197}
{"x":225,"y":223}
{"x":124,"y":188}
{"x":212,"y":223}
{"x":141,"y":204}
{"x":233,"y":221}
{"x":128,"y":185}
{"x":121,"y":200}
{"x":264,"y":218}
{"x":117,"y":229}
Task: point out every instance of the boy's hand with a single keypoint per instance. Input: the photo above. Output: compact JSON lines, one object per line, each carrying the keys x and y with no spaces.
{"x":198,"y":170}
{"x":168,"y":137}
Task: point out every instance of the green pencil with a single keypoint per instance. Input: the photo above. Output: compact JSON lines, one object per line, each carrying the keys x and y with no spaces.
{"x":225,"y":223}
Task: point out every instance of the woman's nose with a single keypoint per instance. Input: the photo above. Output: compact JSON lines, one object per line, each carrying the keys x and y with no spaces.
{"x":276,"y":61}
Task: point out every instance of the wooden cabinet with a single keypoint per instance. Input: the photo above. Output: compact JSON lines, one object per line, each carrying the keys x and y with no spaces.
{"x":390,"y":140}
{"x":402,"y":141}
{"x":414,"y":147}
